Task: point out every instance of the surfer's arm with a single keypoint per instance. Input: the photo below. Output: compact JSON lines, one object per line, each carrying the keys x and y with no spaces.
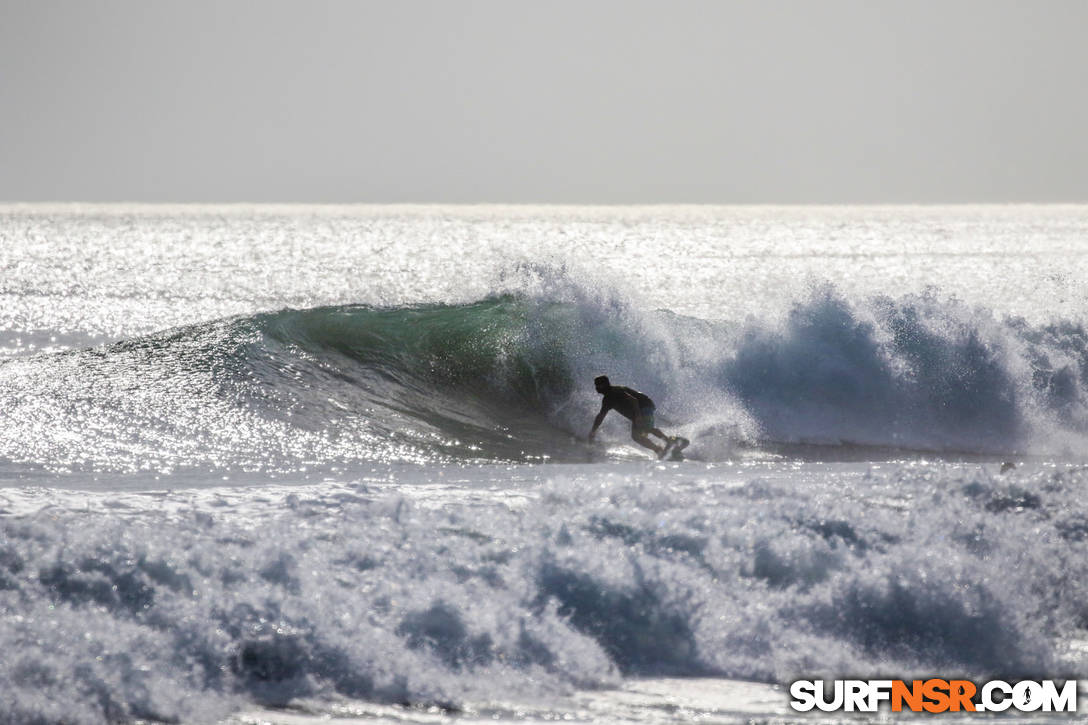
{"x":598,"y":420}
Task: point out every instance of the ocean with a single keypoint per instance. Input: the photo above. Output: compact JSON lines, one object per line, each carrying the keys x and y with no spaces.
{"x":293,"y":464}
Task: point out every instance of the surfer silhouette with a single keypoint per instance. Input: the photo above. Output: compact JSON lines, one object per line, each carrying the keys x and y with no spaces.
{"x":635,"y":406}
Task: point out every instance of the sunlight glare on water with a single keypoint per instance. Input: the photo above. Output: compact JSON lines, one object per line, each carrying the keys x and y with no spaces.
{"x":285,"y":464}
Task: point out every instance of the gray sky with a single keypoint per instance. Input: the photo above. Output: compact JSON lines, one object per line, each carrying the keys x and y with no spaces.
{"x":508,"y":101}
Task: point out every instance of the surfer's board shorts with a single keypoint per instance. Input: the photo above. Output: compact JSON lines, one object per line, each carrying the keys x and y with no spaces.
{"x":644,"y":423}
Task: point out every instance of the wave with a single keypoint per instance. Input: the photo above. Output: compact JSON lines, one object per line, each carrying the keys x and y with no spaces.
{"x":509,"y":378}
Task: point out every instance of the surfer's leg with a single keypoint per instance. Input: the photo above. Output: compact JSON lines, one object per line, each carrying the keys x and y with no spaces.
{"x":646,"y":424}
{"x":657,"y":432}
{"x":642,"y":439}
{"x":641,"y":427}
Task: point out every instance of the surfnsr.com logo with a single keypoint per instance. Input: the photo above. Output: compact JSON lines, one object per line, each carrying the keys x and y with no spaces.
{"x":933,"y":695}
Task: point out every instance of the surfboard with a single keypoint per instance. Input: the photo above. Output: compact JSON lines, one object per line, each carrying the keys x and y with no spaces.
{"x":672,"y":449}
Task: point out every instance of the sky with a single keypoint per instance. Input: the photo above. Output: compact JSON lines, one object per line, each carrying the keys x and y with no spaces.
{"x":496,"y":101}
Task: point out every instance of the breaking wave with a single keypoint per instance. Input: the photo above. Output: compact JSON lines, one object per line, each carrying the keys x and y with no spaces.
{"x":508,"y":378}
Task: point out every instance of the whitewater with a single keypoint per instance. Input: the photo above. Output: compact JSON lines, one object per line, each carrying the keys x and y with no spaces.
{"x":279,"y":464}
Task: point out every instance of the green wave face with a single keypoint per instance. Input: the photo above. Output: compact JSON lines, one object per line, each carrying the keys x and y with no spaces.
{"x":481,"y":381}
{"x":512,"y":374}
{"x":504,"y":347}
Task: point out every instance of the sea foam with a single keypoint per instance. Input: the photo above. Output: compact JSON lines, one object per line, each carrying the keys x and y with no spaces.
{"x":187,"y":605}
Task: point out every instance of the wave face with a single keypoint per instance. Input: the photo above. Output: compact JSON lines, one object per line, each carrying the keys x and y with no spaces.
{"x":509,"y":378}
{"x":183,"y":606}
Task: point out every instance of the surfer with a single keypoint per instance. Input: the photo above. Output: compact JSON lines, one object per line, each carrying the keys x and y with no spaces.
{"x":635,"y":406}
